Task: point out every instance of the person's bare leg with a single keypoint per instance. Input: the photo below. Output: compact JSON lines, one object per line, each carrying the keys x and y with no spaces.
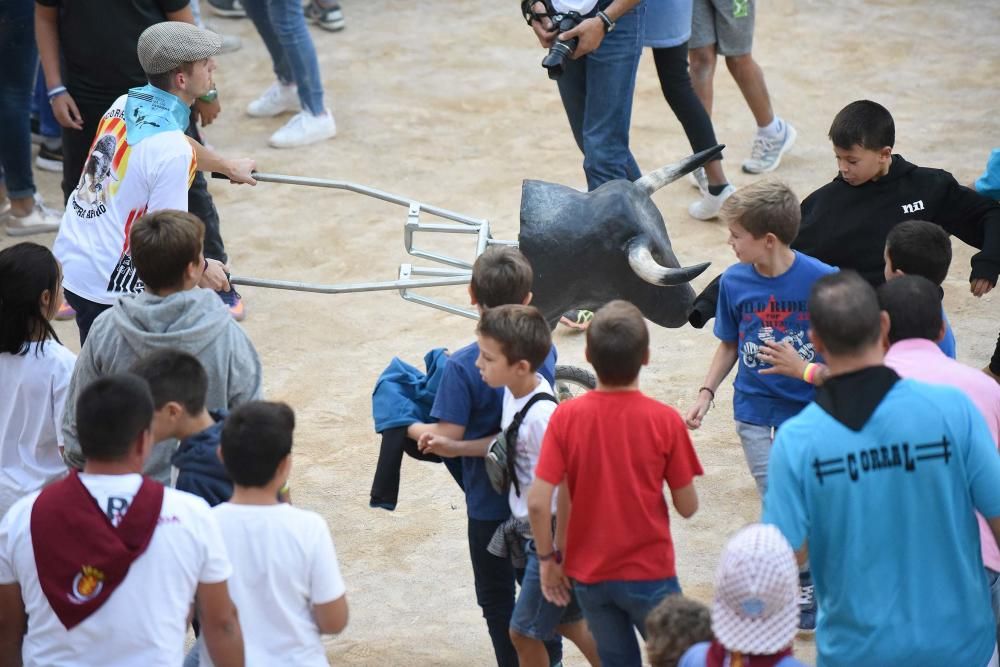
{"x":530,"y":652}
{"x":702,"y":65}
{"x":579,"y":634}
{"x":715,"y":174}
{"x":22,"y":206}
{"x":750,"y":79}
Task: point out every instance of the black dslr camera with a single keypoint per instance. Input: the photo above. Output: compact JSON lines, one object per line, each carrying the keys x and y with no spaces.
{"x":561,"y":22}
{"x":553,"y":60}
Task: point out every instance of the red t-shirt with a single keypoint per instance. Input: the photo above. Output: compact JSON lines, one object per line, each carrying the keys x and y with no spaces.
{"x":615,"y":449}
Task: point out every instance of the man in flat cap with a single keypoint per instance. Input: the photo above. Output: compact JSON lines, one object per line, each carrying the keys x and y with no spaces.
{"x":140,"y":161}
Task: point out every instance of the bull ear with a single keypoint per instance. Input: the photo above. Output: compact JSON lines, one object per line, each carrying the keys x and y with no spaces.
{"x":655,"y":180}
{"x":641,"y":259}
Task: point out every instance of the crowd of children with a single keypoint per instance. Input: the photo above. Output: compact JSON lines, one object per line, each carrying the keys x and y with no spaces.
{"x":144,"y":484}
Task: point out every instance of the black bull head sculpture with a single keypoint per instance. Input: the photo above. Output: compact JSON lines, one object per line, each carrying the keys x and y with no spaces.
{"x":589,"y":248}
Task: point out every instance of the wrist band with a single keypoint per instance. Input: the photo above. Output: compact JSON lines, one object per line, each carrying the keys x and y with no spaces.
{"x":810,"y":373}
{"x":55,"y":92}
{"x":710,"y":392}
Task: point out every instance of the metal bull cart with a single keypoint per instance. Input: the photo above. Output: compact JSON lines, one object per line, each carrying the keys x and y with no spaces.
{"x":570,"y":380}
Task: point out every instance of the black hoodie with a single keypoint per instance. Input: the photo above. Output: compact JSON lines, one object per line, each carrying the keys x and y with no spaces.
{"x":846,"y":226}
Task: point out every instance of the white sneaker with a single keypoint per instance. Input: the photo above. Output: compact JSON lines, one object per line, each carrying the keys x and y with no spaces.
{"x":765,"y":155}
{"x":277,"y":99}
{"x":40,"y":221}
{"x":699,"y":179}
{"x":708,"y":207}
{"x":304,"y":128}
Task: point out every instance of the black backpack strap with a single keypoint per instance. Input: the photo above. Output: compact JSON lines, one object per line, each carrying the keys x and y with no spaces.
{"x":510,"y":435}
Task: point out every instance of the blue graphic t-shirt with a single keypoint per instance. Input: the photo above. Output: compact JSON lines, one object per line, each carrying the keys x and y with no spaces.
{"x":887,"y":513}
{"x":753,"y":309}
{"x":463,"y":398}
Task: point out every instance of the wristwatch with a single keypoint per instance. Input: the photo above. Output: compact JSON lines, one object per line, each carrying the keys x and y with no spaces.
{"x":609,"y":25}
{"x":555,"y":555}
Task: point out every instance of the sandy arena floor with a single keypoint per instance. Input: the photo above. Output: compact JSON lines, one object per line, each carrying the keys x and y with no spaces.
{"x":446,"y":102}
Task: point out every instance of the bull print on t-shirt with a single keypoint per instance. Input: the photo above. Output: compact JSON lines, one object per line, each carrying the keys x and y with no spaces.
{"x":103,"y":170}
{"x":774,"y":321}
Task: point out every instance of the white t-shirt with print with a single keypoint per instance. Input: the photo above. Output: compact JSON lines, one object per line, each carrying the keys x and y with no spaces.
{"x":144,"y":621}
{"x":580,"y":6}
{"x":118,"y":185}
{"x":529,"y":441}
{"x":284,"y":562}
{"x":32,"y":395}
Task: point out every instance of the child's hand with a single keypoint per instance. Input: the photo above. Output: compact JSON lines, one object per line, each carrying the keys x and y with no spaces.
{"x":783,"y":358}
{"x":980,"y":286}
{"x":430,"y":443}
{"x":698,"y":411}
{"x":555,"y":583}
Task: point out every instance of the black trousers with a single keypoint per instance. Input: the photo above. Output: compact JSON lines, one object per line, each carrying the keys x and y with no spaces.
{"x":675,"y":82}
{"x":76,"y":146}
{"x":385,"y":486}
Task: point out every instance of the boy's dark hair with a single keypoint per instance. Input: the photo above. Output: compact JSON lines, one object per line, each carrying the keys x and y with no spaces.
{"x":765,"y":206}
{"x":914,"y":307}
{"x":111,"y":412}
{"x":163,"y":244}
{"x":26,"y":270}
{"x":919,"y":248}
{"x":174,"y":376}
{"x":521,"y":331}
{"x":617,"y":342}
{"x":674,"y":626}
{"x":165,"y":80}
{"x":255,"y":439}
{"x":863,"y":123}
{"x":501,"y":276}
{"x":844,"y":312}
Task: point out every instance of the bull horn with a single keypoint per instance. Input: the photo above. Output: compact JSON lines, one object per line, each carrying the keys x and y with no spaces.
{"x":640,"y":258}
{"x":655,"y":180}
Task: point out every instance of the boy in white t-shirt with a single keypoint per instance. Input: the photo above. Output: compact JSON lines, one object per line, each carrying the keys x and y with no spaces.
{"x":286,"y":580}
{"x":106,"y":563}
{"x":514,"y":341}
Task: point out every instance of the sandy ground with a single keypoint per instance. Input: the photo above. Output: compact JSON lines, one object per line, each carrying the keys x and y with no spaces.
{"x":446,"y":102}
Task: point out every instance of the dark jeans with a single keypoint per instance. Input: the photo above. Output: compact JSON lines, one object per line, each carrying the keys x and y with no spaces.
{"x":86,"y":312}
{"x":76,"y":146}
{"x":495,"y":577}
{"x":385,"y":486}
{"x":18,"y":62}
{"x":597,"y":92}
{"x":615,"y":610}
{"x":48,"y":126}
{"x":675,"y":82}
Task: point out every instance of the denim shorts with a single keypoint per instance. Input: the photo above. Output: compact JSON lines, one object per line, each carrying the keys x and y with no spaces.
{"x":534,"y":616}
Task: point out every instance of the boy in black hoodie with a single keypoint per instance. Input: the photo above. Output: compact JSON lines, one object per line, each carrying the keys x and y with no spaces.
{"x":179,"y":384}
{"x":845,"y":223}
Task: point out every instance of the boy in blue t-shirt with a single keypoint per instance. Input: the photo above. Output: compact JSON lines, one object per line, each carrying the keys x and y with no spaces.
{"x":762,"y":299}
{"x":468,"y":409}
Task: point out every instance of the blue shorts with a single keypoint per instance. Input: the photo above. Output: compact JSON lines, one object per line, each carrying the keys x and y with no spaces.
{"x":534,"y":616}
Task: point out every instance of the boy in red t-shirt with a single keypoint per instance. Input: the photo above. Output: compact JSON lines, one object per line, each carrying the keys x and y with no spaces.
{"x":614,"y":447}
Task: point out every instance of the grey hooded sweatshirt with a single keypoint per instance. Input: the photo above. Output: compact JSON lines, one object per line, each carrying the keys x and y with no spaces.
{"x":194,"y":321}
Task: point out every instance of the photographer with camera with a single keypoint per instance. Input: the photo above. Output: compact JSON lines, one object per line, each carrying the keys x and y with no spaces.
{"x":594,"y":50}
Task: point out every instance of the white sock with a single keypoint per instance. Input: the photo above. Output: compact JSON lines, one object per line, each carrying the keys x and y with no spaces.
{"x":773,"y":129}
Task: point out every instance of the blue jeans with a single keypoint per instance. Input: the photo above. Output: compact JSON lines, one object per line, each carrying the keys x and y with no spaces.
{"x":282,"y":26}
{"x":86,"y":312}
{"x":19,"y":59}
{"x":614,"y":608}
{"x":597,"y":93}
{"x":534,"y":616}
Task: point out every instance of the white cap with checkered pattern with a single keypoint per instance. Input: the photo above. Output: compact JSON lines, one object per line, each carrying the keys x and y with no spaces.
{"x":756,"y":608}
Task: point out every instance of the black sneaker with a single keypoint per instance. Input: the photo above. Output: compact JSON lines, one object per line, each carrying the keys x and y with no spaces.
{"x":49,"y":159}
{"x":807,"y":604}
{"x":229,"y":8}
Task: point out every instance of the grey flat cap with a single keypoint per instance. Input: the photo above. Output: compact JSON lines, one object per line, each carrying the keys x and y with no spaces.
{"x":168,"y":45}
